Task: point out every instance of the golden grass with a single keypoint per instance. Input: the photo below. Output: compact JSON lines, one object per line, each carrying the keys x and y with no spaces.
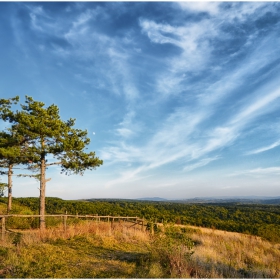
{"x":220,"y":254}
{"x":84,"y":250}
{"x":119,"y":232}
{"x":93,"y":249}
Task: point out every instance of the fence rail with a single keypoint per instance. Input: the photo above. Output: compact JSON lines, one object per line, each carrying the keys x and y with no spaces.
{"x":112,"y":219}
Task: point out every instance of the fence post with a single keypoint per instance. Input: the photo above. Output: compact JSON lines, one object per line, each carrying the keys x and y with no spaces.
{"x":152,"y":228}
{"x":3,"y":228}
{"x":65,"y":222}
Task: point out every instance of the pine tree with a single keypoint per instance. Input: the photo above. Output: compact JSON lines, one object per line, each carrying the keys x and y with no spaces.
{"x":11,"y":153}
{"x":14,"y":152}
{"x":11,"y":147}
{"x":47,"y":134}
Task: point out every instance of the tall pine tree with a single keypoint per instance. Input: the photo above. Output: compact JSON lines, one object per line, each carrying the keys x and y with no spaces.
{"x":47,"y":134}
{"x":11,"y":146}
{"x":12,"y":152}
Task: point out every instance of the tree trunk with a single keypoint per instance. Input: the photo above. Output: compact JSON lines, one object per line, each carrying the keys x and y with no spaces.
{"x":10,"y":184}
{"x":42,"y":192}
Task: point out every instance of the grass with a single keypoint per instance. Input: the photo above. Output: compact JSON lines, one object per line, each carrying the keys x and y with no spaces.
{"x":97,"y":250}
{"x":221,"y":254}
{"x":86,"y":250}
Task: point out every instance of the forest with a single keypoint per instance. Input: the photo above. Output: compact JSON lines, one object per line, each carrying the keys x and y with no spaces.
{"x":255,"y":219}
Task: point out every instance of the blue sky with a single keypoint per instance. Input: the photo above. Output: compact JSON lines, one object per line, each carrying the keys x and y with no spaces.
{"x":180,"y":99}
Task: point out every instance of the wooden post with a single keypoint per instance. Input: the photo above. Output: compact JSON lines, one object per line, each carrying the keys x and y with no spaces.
{"x":65,"y":222}
{"x":3,"y":228}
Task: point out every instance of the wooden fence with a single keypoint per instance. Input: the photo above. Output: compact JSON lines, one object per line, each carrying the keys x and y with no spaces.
{"x":110,"y":219}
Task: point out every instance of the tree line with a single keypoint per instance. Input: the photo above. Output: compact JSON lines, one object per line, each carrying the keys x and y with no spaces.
{"x":254,"y":219}
{"x":35,"y":139}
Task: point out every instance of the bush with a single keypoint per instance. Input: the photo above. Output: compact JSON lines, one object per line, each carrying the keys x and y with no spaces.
{"x":19,"y":222}
{"x":172,"y":250}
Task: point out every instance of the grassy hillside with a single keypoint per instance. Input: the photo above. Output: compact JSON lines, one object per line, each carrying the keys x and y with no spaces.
{"x":95,"y":250}
{"x":89,"y":249}
{"x":221,"y":254}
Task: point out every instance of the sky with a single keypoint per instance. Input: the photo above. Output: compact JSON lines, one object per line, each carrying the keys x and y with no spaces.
{"x":180,"y":99}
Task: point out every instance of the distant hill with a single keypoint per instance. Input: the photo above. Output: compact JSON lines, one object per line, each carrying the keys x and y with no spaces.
{"x":152,"y":199}
{"x":237,"y":199}
{"x":222,"y":199}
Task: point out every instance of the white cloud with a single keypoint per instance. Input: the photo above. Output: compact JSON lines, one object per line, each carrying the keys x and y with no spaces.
{"x":185,"y":134}
{"x":124,"y":132}
{"x":176,"y":138}
{"x":243,"y":10}
{"x":255,"y":108}
{"x":264,"y":149}
{"x":209,"y":7}
{"x":126,"y":176}
{"x":200,"y":163}
{"x":258,"y":172}
{"x":191,"y":38}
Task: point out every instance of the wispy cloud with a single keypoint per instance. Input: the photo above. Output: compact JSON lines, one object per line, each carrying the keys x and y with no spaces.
{"x":200,"y":163}
{"x":258,"y":172}
{"x":264,"y":149}
{"x":256,"y":107}
{"x":178,"y":138}
{"x":208,"y":7}
{"x":183,"y":88}
{"x":192,"y":39}
{"x":127,"y":176}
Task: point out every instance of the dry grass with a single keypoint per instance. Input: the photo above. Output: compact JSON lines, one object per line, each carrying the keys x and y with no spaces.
{"x":84,"y":250}
{"x":221,"y":254}
{"x":101,"y":250}
{"x":119,"y":231}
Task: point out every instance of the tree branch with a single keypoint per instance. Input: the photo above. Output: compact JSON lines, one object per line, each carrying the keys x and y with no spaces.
{"x":48,"y":164}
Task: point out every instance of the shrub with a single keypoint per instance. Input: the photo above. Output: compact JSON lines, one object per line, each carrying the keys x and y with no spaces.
{"x":172,"y":250}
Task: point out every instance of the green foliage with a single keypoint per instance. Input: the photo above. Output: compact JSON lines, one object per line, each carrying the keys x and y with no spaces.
{"x":48,"y":134}
{"x":170,"y":254}
{"x":21,"y":223}
{"x":3,"y":186}
{"x":17,"y":238}
{"x":261,"y":220}
{"x":36,"y":132}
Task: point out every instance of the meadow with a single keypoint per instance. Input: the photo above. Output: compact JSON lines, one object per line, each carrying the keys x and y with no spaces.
{"x":90,"y":249}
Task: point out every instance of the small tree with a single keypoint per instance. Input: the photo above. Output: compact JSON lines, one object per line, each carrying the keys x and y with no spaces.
{"x":47,"y":135}
{"x":9,"y":155}
{"x":13,"y":151}
{"x":11,"y":146}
